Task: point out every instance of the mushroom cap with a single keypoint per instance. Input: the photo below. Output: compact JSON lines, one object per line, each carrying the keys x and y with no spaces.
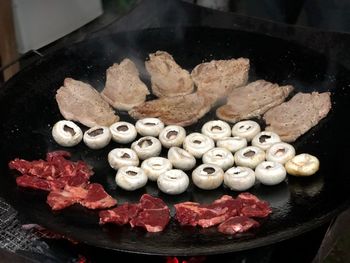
{"x":173,"y":182}
{"x":208,"y":176}
{"x":280,"y":152}
{"x":233,"y":144}
{"x":97,"y":137}
{"x":123,"y":132}
{"x":131,"y":178}
{"x":155,"y":166}
{"x":67,"y":133}
{"x":265,"y":139}
{"x":181,"y":159}
{"x":249,"y":156}
{"x":172,"y":135}
{"x":239,"y":178}
{"x":219,"y":156}
{"x":216,"y":129}
{"x":120,"y":157}
{"x":197,"y":144}
{"x":303,"y":165}
{"x":147,"y":147}
{"x":246,"y":129}
{"x":270,"y":173}
{"x":149,"y":126}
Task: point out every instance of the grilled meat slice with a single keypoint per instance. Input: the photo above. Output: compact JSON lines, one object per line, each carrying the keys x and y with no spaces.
{"x":220,"y":77}
{"x":78,"y":101}
{"x":252,"y":100}
{"x":167,"y":77}
{"x":124,"y":89}
{"x":296,"y":116}
{"x":182,"y":110}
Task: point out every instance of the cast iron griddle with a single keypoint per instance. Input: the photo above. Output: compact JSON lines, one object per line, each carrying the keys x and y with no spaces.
{"x":28,"y":110}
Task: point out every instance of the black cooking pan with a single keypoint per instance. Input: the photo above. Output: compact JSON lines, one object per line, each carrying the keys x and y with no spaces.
{"x":28,"y":110}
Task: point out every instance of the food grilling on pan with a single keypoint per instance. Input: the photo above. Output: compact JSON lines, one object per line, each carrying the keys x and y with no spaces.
{"x":179,"y":104}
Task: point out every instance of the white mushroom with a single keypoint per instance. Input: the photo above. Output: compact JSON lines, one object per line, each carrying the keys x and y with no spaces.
{"x":149,"y":126}
{"x":147,"y":147}
{"x":67,"y":133}
{"x":173,"y":182}
{"x":172,"y":135}
{"x":197,"y":144}
{"x":208,"y":176}
{"x":246,"y":129}
{"x":131,"y":178}
{"x":280,"y":152}
{"x":265,"y":139}
{"x":249,"y":156}
{"x":97,"y":137}
{"x":233,"y":144}
{"x":239,"y":178}
{"x":219,"y":156}
{"x":181,"y":159}
{"x":120,"y":157}
{"x":303,"y":165}
{"x":270,"y":173}
{"x":216,"y":129}
{"x":155,"y":166}
{"x":123,"y":132}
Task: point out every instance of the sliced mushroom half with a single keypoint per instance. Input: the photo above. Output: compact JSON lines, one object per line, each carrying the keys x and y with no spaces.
{"x":149,"y":126}
{"x":147,"y":147}
{"x":173,"y":182}
{"x":216,"y":129}
{"x":67,"y":133}
{"x":219,"y":156}
{"x":181,"y":159}
{"x":197,"y":144}
{"x":249,"y":156}
{"x":123,"y":132}
{"x":239,"y":178}
{"x":120,"y":157}
{"x":270,"y":173}
{"x":172,"y":135}
{"x":97,"y":137}
{"x":233,"y":144}
{"x":265,"y":139}
{"x":280,"y":152}
{"x":208,"y":176}
{"x":155,"y":166}
{"x":303,"y":165}
{"x":246,"y":129}
{"x":131,"y":178}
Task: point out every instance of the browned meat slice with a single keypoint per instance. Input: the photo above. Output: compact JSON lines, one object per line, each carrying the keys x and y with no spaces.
{"x":252,"y":100}
{"x":167,"y":77}
{"x":220,"y":77}
{"x":80,"y":102}
{"x":296,"y":116}
{"x":124,"y":89}
{"x":181,"y":110}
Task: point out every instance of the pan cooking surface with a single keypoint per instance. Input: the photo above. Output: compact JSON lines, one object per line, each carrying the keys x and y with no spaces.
{"x":28,"y":111}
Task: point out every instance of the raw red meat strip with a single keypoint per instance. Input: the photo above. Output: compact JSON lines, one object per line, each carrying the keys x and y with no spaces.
{"x":60,"y":199}
{"x":38,"y":183}
{"x":237,"y":224}
{"x":97,"y":198}
{"x":120,"y":215}
{"x":153,"y":220}
{"x":253,"y":206}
